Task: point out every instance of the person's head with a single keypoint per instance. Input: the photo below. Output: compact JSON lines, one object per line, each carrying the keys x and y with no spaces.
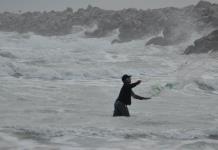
{"x":126,"y":78}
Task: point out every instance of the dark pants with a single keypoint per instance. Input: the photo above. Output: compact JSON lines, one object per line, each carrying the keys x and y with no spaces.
{"x":120,"y":109}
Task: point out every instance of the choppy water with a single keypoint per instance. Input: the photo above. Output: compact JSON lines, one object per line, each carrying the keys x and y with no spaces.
{"x":58,"y":93}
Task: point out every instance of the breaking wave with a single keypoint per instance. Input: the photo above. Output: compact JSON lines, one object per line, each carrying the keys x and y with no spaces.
{"x":75,"y":78}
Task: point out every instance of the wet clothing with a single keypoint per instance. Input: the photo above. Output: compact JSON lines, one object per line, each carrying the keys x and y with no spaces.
{"x":126,"y":93}
{"x":120,"y":109}
{"x":124,"y":99}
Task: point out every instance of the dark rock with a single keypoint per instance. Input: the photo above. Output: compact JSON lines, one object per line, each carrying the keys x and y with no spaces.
{"x":158,"y":41}
{"x":204,"y":44}
{"x":131,"y":23}
{"x":46,"y":23}
{"x":204,"y":14}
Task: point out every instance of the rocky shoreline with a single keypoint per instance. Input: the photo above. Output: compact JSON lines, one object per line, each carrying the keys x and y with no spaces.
{"x":174,"y":23}
{"x":205,"y":44}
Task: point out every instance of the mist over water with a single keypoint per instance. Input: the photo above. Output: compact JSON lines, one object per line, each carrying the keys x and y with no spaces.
{"x":58,"y":92}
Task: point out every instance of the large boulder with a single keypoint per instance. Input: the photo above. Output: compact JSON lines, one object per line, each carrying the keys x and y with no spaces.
{"x":204,"y":44}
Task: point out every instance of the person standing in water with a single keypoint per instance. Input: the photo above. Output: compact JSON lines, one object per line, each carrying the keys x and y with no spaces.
{"x":124,"y":98}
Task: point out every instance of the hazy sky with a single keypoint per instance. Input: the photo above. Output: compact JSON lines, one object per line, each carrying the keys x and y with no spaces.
{"x":24,"y":5}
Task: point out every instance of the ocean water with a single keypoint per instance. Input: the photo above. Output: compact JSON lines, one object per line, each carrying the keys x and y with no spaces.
{"x":57,"y":93}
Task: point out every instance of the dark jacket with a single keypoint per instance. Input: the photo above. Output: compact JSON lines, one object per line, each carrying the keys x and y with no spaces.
{"x":126,"y":93}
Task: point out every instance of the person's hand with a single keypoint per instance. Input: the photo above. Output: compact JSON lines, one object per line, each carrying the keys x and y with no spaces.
{"x":146,"y":98}
{"x":139,"y":81}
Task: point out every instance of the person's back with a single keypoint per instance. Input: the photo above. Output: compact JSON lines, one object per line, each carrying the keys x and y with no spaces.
{"x":126,"y":92}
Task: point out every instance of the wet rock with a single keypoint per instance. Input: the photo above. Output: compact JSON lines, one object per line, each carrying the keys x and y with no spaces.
{"x":131,"y":23}
{"x":205,"y":44}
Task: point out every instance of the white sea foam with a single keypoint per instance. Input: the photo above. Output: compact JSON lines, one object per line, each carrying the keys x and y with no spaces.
{"x":58,"y":92}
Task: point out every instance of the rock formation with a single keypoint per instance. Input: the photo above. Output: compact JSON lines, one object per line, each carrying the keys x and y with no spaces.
{"x":132,"y":24}
{"x":204,"y":44}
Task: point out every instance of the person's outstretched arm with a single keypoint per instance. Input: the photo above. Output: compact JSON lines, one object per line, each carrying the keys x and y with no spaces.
{"x":139,"y":97}
{"x":132,"y":85}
